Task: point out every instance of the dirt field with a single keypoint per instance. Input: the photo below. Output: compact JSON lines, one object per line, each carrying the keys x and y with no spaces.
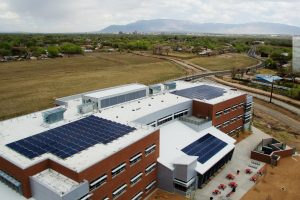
{"x":161,"y":195}
{"x":30,"y":86}
{"x":224,"y":62}
{"x":275,"y":127}
{"x":279,"y":183}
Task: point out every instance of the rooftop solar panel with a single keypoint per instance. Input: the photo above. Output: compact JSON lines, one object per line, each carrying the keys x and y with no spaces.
{"x":201,"y":92}
{"x":69,"y":139}
{"x":205,"y":148}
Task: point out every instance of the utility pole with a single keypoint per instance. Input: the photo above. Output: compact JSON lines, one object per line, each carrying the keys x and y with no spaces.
{"x":271,"y":91}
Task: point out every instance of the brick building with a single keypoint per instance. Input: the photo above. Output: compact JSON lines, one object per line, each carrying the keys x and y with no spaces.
{"x":115,"y":143}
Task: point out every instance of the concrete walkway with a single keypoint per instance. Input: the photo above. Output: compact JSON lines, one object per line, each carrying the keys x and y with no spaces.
{"x":240,"y":160}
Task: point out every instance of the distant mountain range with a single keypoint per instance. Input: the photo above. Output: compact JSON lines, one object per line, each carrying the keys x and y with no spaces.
{"x":181,"y":26}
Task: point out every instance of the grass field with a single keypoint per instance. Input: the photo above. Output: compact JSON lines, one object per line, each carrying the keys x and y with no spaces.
{"x":29,"y":86}
{"x":224,"y":62}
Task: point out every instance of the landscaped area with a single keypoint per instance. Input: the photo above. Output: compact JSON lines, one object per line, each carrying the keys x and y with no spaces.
{"x":29,"y":86}
{"x":224,"y":61}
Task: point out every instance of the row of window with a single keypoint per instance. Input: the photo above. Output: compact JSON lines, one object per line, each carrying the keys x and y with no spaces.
{"x":121,"y":167}
{"x":235,"y":130}
{"x":227,"y":110}
{"x":231,"y":121}
{"x":122,"y":189}
{"x":168,"y":118}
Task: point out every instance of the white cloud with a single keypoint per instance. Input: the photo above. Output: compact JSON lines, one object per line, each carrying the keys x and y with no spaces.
{"x":92,"y":15}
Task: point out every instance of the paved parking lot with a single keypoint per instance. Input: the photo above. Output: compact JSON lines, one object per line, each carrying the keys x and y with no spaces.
{"x":240,"y":161}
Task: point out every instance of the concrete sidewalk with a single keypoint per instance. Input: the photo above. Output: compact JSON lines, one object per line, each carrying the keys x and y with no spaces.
{"x":240,"y":160}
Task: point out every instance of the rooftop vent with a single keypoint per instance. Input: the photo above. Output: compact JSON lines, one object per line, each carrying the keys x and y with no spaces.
{"x":85,"y":108}
{"x":53,"y":115}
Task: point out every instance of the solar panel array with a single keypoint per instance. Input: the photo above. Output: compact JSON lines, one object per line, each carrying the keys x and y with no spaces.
{"x":201,"y":92}
{"x":69,"y":139}
{"x":205,"y":148}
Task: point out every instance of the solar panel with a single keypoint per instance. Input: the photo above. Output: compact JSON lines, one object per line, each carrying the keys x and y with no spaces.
{"x":201,"y":92}
{"x":69,"y":139}
{"x":205,"y":148}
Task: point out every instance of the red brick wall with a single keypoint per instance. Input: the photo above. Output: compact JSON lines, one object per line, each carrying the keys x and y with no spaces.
{"x":124,"y":155}
{"x":284,"y":153}
{"x":267,"y":158}
{"x":202,"y":109}
{"x":96,"y":170}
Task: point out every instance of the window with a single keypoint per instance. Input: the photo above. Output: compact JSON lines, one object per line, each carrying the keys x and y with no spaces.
{"x":117,"y":170}
{"x":136,"y":179}
{"x":138,"y":196}
{"x":227,"y":110}
{"x":226,"y":123}
{"x":233,"y":120}
{"x":219,"y":126}
{"x":180,"y":113}
{"x":150,"y":168}
{"x":247,"y":119}
{"x":240,"y":117}
{"x":106,"y":198}
{"x":164,"y":120}
{"x":136,"y":158}
{"x":150,"y":186}
{"x":219,"y":113}
{"x":11,"y":181}
{"x":152,"y":124}
{"x":231,"y":132}
{"x":241,"y":105}
{"x":180,"y":187}
{"x":86,"y":197}
{"x":150,"y":149}
{"x":98,"y":182}
{"x":118,"y":192}
{"x":234,"y":107}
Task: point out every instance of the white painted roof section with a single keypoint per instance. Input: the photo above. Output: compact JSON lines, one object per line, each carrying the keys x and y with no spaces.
{"x":56,"y":181}
{"x":185,"y":160}
{"x":229,"y":94}
{"x":21,"y":127}
{"x":116,"y":90}
{"x":175,"y":135}
{"x":136,"y":109}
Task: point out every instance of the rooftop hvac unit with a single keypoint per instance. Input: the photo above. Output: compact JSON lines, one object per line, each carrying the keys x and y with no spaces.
{"x":154,"y":89}
{"x":54,"y":115}
{"x":170,"y":85}
{"x":86,"y":108}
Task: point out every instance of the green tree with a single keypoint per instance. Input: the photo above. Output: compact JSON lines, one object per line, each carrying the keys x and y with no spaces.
{"x":53,"y":51}
{"x":38,"y":51}
{"x":70,"y":48}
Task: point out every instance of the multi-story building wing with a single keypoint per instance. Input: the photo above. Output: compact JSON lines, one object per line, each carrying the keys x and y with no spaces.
{"x":122,"y":142}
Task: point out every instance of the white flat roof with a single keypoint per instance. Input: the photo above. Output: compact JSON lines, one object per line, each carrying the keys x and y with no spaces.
{"x":133,"y":110}
{"x":56,"y":181}
{"x":116,"y":90}
{"x":32,"y":124}
{"x":229,"y":93}
{"x":175,"y":135}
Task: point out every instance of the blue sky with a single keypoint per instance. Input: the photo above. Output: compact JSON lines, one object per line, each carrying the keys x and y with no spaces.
{"x":93,"y":15}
